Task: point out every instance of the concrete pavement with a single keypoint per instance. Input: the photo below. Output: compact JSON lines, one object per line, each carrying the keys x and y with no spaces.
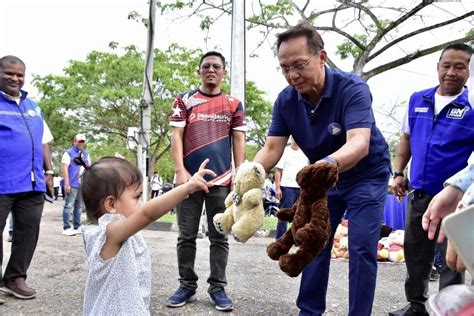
{"x":256,"y":284}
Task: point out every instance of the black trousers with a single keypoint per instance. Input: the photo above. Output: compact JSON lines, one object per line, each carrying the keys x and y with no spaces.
{"x":26,"y":209}
{"x":419,"y":254}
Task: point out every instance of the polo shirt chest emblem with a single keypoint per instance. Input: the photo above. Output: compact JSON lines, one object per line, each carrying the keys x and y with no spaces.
{"x":334,"y":129}
{"x":457,"y":113}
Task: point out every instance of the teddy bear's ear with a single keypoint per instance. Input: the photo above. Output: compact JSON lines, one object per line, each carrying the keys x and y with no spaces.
{"x":257,"y":171}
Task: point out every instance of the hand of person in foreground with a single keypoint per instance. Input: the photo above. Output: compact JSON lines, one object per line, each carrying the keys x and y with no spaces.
{"x":442,"y":204}
{"x":453,"y":260}
{"x":197,"y":181}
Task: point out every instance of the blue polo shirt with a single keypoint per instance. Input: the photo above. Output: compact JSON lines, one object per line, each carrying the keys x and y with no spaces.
{"x":320,"y":130}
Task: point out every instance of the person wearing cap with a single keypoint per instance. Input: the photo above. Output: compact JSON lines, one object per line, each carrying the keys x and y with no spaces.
{"x":72,"y":174}
{"x":438,"y":137}
{"x":25,"y":174}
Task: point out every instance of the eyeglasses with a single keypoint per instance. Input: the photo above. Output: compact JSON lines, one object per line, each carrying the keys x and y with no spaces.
{"x":297,"y":68}
{"x":216,"y":67}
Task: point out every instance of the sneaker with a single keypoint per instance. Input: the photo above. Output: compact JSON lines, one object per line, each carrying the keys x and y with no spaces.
{"x":409,"y":310}
{"x":69,"y":232}
{"x":181,"y":296}
{"x":77,"y":231}
{"x":434,"y":275}
{"x":221,"y":301}
{"x":19,"y":289}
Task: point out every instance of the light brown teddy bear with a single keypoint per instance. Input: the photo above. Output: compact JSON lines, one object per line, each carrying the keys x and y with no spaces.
{"x":310,"y":216}
{"x":244,"y":205}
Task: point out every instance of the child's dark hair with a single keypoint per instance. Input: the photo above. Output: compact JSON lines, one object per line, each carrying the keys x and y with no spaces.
{"x":108,"y":176}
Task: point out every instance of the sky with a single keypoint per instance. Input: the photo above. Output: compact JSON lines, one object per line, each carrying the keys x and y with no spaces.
{"x":48,"y":33}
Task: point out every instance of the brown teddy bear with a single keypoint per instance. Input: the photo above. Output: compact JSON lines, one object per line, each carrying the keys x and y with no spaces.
{"x":310,"y":216}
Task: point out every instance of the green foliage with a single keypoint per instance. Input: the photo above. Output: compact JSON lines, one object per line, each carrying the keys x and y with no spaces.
{"x":101,"y":97}
{"x":259,"y":113}
{"x":471,"y":33}
{"x":206,"y":23}
{"x":282,"y":7}
{"x":177,"y":5}
{"x":348,"y":48}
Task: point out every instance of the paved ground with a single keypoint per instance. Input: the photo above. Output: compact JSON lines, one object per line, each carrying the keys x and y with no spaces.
{"x":257,"y":286}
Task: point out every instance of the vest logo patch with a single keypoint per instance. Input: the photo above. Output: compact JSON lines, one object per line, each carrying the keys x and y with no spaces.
{"x":421,"y":109}
{"x":457,"y":113}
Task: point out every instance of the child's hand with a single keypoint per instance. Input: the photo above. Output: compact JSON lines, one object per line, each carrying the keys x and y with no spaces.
{"x":197,"y":181}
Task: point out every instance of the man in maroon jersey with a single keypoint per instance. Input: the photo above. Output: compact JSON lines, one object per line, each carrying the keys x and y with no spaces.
{"x":206,"y":123}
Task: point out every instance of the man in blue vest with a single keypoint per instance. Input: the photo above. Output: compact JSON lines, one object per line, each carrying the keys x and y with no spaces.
{"x":72,"y":177}
{"x":438,"y":136}
{"x":25,"y":174}
{"x":329,"y":114}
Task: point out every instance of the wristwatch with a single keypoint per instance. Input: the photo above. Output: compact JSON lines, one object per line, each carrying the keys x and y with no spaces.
{"x":398,"y":174}
{"x":51,"y":172}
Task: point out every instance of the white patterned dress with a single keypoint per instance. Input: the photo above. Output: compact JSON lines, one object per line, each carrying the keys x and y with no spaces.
{"x":120,"y":285}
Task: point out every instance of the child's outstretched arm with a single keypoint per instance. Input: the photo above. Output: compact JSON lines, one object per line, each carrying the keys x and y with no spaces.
{"x":119,"y":231}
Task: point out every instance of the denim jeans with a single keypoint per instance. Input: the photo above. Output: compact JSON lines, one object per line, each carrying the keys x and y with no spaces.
{"x":188,"y":214}
{"x":288,"y":198}
{"x":73,"y":200}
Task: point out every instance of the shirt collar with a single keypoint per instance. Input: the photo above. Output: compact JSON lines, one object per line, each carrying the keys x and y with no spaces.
{"x":13,"y":98}
{"x":328,"y":84}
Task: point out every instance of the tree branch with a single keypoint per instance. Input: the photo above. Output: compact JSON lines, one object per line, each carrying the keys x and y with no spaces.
{"x":419,"y":31}
{"x":417,"y":54}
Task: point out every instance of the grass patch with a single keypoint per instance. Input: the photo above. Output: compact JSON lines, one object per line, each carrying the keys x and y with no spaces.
{"x":268,"y":222}
{"x":168,"y":218}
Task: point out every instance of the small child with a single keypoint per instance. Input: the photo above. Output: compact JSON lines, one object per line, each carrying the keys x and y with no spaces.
{"x":119,"y":280}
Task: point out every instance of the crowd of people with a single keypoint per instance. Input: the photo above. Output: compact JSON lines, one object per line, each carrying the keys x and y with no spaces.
{"x":328,"y":115}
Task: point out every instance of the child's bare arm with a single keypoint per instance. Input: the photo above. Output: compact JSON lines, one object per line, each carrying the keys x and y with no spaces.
{"x":119,"y":231}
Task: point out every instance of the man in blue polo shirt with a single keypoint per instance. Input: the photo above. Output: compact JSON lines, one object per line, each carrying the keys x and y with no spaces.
{"x":25,"y":174}
{"x":328,"y":112}
{"x":438,"y":136}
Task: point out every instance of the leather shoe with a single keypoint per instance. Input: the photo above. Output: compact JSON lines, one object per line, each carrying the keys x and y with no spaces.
{"x":19,"y":289}
{"x":409,"y":310}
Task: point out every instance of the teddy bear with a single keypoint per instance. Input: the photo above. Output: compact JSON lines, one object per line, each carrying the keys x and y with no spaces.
{"x":311,"y":228}
{"x":244,"y":204}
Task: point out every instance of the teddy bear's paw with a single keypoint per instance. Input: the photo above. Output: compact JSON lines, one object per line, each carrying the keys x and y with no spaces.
{"x":236,"y":238}
{"x":274,"y":251}
{"x":219,"y":227}
{"x":290,"y":265}
{"x":242,"y":238}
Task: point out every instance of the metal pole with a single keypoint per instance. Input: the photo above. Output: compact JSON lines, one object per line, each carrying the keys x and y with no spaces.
{"x":146,"y":103}
{"x":237,"y":59}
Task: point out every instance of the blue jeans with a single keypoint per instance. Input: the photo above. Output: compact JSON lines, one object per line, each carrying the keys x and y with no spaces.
{"x":188,"y":214}
{"x":73,"y":200}
{"x":364,"y":202}
{"x":288,"y":197}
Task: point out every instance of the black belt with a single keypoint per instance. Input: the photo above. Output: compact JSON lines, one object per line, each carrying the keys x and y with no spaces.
{"x":418,"y":194}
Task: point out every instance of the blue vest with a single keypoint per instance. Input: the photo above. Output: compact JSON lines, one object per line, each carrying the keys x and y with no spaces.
{"x":21,"y":148}
{"x":441,"y":144}
{"x":74,"y":169}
